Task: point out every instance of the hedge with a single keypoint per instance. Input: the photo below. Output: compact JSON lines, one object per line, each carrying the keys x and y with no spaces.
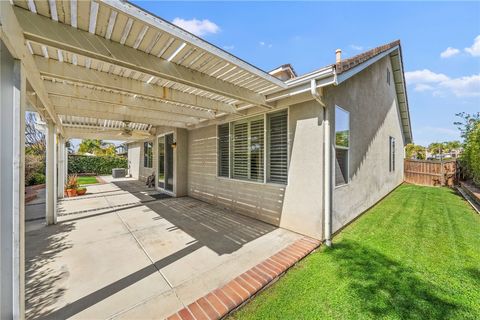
{"x":79,"y":164}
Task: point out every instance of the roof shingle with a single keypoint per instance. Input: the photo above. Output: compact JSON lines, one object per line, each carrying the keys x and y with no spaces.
{"x":349,"y":63}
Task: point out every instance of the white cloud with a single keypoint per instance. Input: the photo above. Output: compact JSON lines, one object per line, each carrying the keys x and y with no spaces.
{"x":474,"y":50}
{"x":424,"y":76}
{"x":440,"y":84}
{"x":449,"y":52}
{"x":468,"y":86}
{"x":197,"y":27}
{"x":356,"y":47}
{"x":423,"y":87}
{"x":264,"y":44}
{"x":229,"y":47}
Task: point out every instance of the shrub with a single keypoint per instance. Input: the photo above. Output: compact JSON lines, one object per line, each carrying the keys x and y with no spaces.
{"x":36,"y":178}
{"x":470,"y":157}
{"x":79,"y":164}
{"x":33,"y":165}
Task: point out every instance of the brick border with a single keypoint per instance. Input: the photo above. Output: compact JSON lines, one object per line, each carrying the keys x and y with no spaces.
{"x":220,"y":302}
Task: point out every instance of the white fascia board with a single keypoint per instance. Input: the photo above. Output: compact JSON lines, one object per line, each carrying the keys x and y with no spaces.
{"x":147,"y":17}
{"x":408,"y":137}
{"x":399,"y":64}
{"x":320,"y":73}
{"x":350,"y":73}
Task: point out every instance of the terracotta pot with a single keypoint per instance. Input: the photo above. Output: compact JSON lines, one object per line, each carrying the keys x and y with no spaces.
{"x":81,"y":192}
{"x":72,"y":192}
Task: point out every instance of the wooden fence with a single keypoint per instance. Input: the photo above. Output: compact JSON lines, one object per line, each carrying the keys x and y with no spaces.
{"x":431,"y":173}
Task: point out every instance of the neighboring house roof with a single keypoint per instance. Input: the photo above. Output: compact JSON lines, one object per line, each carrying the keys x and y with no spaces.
{"x":284,"y":72}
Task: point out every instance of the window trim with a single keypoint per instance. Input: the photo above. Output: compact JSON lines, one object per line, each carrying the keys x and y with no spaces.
{"x":245,"y":118}
{"x":145,"y":154}
{"x":391,"y":154}
{"x":267,"y":150}
{"x":342,"y":148}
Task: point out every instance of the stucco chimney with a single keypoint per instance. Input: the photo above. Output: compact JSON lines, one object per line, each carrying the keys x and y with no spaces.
{"x":338,"y":55}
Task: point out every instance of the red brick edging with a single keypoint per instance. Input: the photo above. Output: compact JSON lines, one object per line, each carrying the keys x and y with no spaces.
{"x":221,"y":301}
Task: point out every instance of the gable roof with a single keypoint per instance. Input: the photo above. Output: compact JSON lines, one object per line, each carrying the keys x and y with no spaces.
{"x":337,"y":73}
{"x":354,"y":61}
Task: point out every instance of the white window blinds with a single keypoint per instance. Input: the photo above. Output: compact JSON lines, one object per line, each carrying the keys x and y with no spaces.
{"x":223,"y":150}
{"x":278,"y":147}
{"x":244,"y":145}
{"x":240,"y":150}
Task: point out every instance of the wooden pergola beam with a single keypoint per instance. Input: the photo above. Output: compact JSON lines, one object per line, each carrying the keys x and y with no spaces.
{"x":90,"y":133}
{"x":78,"y":74}
{"x":98,"y":110}
{"x":12,"y":35}
{"x":57,"y":35}
{"x":170,"y":111}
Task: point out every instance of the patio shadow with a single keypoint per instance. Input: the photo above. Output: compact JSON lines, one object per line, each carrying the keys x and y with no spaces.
{"x":95,"y":297}
{"x":216,"y":228}
{"x":42,"y":287}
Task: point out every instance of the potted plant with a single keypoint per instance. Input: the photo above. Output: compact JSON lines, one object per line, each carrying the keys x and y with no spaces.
{"x":72,"y":185}
{"x":81,"y":191}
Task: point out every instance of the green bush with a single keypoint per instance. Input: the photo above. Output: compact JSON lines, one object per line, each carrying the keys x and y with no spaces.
{"x":79,"y":164}
{"x":470,"y":157}
{"x":36,"y":178}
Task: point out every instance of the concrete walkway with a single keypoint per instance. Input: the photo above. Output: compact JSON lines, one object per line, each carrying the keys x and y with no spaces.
{"x":123,"y":251}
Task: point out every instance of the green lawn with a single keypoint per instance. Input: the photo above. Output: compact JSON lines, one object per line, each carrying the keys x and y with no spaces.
{"x":87,"y":180}
{"x":415,"y":255}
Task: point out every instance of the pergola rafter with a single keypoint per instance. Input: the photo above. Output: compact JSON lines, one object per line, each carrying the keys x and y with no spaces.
{"x":59,"y":90}
{"x":83,"y":108}
{"x":66,"y":71}
{"x":66,"y":38}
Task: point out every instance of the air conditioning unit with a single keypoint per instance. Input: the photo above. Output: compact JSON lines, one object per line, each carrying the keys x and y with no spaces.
{"x":119,"y":173}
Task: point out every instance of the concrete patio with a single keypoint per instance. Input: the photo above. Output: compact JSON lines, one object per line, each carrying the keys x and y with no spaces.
{"x":123,"y":251}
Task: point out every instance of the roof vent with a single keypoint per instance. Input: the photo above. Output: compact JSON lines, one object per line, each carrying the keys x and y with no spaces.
{"x":338,"y":55}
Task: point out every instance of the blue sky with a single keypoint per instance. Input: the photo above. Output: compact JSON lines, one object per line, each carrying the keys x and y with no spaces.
{"x":306,"y":34}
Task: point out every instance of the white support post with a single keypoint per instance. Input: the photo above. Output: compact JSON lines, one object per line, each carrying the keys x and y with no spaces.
{"x":61,"y":167}
{"x":65,"y":162}
{"x":51,"y":175}
{"x":12,"y":186}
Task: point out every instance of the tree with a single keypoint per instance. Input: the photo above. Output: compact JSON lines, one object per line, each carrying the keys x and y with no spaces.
{"x":92,"y":146}
{"x":470,"y":132}
{"x":35,"y":142}
{"x":96,"y":147}
{"x":414,"y":151}
{"x":436,"y":148}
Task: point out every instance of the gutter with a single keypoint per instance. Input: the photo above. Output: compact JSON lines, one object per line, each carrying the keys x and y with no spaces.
{"x":327,"y":160}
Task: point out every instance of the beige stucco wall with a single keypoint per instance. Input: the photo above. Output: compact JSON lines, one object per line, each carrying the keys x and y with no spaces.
{"x":299,"y":205}
{"x":374,"y":116}
{"x":303,"y":206}
{"x":136,"y":157}
{"x":258,"y":200}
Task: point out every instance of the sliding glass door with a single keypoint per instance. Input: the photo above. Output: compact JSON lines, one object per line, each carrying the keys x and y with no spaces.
{"x":161,"y":162}
{"x":165,"y":162}
{"x":169,"y":162}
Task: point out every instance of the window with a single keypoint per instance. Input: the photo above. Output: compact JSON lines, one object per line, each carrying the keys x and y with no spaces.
{"x":223,"y":150}
{"x":388,"y":76}
{"x":391,"y":154}
{"x":342,"y":145}
{"x":147,"y":154}
{"x":248,"y":149}
{"x":241,"y":149}
{"x":277,"y":147}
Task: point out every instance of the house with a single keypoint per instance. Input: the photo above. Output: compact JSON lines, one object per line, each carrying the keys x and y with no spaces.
{"x":271,"y":164}
{"x":307,"y":153}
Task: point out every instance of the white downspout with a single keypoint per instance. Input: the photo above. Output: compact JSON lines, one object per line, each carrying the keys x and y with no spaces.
{"x":327,"y":159}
